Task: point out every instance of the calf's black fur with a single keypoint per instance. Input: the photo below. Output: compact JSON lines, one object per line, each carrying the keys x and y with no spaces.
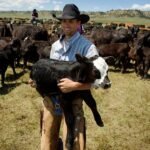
{"x":46,"y":73}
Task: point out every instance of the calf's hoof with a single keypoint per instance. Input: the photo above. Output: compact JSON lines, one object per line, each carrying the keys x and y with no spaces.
{"x":100,"y":123}
{"x":98,"y":120}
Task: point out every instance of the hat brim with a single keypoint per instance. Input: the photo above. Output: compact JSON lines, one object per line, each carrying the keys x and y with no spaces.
{"x":83,"y":18}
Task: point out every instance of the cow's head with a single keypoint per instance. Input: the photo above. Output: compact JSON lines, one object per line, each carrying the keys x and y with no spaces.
{"x":102,"y":66}
{"x":16,"y":45}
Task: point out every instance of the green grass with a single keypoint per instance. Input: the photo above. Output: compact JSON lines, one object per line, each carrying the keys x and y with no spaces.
{"x":124,"y":109}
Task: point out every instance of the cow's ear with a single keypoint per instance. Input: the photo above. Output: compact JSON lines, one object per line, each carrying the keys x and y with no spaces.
{"x":80,"y":58}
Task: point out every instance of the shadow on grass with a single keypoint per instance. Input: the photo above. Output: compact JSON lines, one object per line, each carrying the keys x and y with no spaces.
{"x":8,"y":88}
{"x":119,"y":71}
{"x":11,"y":77}
{"x":145,"y":78}
{"x":28,"y":67}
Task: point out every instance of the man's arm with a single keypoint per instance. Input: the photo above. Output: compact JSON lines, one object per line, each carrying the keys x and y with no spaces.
{"x":66,"y":85}
{"x":31,"y":83}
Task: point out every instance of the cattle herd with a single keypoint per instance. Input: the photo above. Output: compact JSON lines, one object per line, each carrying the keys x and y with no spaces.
{"x":27,"y":43}
{"x":126,"y":46}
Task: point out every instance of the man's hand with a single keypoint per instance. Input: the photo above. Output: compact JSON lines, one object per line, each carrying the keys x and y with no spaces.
{"x":66,"y":85}
{"x":32,"y":83}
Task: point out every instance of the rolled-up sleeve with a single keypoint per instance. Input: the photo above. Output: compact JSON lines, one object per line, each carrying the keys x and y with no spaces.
{"x":92,"y":51}
{"x":52,"y":52}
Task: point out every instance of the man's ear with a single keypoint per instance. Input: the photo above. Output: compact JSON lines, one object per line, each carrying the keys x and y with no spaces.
{"x":78,"y":22}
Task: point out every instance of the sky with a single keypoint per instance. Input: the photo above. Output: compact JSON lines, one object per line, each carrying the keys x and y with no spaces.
{"x":83,"y":5}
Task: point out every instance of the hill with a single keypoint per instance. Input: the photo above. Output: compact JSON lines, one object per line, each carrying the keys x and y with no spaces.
{"x":111,"y":13}
{"x":134,"y":16}
{"x":128,"y":13}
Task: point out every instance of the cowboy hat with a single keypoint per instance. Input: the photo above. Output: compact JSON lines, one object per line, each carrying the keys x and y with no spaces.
{"x":71,"y":11}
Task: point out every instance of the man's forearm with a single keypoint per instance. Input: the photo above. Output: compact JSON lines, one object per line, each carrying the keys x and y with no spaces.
{"x":66,"y":85}
{"x":82,"y":86}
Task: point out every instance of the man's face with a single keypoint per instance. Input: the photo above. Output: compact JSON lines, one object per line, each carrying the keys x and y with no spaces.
{"x":70,"y":26}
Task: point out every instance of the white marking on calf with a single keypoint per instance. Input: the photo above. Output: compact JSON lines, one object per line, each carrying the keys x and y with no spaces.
{"x":102,"y":66}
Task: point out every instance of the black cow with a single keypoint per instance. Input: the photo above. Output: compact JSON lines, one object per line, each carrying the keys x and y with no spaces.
{"x":46,"y":73}
{"x":106,"y":36}
{"x":32,"y":50}
{"x":3,"y":43}
{"x":7,"y":57}
{"x":6,"y":30}
{"x":16,"y":44}
{"x":140,"y":53}
{"x":134,"y":30}
{"x":35,"y":32}
{"x":145,"y":51}
{"x":141,"y":56}
{"x":118,"y":51}
{"x":143,"y":39}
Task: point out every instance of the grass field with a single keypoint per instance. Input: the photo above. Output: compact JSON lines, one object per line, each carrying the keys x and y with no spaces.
{"x":134,"y":20}
{"x":125,"y":109}
{"x":14,"y":15}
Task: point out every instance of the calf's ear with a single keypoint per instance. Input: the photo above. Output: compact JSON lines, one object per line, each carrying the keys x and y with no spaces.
{"x":80,"y":58}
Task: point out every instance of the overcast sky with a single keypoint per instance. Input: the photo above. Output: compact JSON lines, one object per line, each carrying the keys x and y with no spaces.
{"x":84,"y":5}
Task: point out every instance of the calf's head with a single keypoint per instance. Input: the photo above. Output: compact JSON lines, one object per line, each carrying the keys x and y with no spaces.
{"x":88,"y":73}
{"x":102,"y":66}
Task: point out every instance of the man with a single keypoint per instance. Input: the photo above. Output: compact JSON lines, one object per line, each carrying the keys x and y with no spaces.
{"x":34,"y":16}
{"x":70,"y":43}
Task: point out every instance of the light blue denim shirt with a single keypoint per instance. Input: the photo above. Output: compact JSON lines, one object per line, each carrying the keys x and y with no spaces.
{"x":66,"y":50}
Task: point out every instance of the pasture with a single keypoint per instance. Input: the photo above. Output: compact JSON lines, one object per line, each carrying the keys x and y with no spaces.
{"x":124,"y":109}
{"x":94,"y":16}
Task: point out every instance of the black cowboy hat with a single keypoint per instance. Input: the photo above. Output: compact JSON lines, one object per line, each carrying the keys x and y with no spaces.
{"x":71,"y":11}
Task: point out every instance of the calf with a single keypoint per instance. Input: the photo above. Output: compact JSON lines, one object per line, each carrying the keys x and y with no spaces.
{"x":34,"y":50}
{"x":47,"y":73}
{"x":7,"y":57}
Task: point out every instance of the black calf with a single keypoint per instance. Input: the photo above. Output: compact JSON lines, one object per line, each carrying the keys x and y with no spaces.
{"x":7,"y":57}
{"x":46,"y":73}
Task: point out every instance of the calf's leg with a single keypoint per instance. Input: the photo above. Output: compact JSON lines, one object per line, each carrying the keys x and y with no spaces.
{"x":79,"y":127}
{"x":90,"y":101}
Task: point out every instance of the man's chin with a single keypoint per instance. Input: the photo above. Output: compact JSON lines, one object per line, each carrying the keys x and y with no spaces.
{"x":68,"y":32}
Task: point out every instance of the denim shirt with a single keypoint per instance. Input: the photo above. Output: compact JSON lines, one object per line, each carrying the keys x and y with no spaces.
{"x":66,"y":50}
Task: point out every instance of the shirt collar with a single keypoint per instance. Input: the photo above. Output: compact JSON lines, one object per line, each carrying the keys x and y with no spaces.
{"x":62,"y":37}
{"x":69,"y":42}
{"x":72,"y":39}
